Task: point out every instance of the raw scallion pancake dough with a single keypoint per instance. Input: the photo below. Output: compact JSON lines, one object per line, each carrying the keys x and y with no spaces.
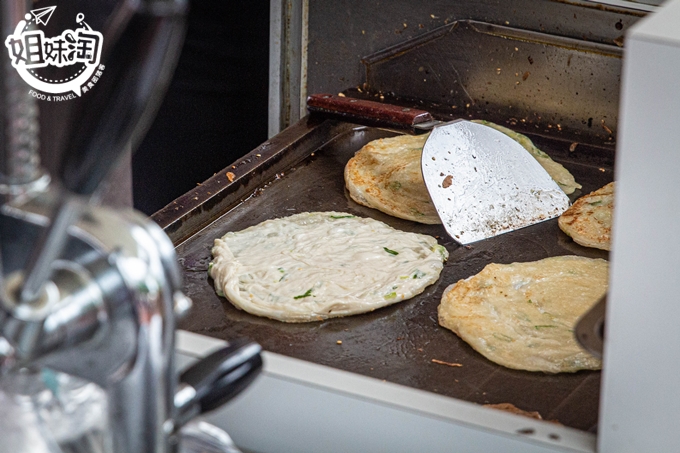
{"x":317,"y":265}
{"x":385,"y":175}
{"x":522,"y":315}
{"x":589,"y":220}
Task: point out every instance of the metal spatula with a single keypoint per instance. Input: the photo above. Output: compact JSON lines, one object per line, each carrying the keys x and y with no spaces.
{"x":481,"y":182}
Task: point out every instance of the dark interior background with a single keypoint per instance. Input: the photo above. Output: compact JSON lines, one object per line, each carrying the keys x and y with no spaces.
{"x":215,"y":109}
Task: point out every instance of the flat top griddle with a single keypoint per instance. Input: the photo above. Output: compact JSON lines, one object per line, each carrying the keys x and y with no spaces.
{"x":396,"y":343}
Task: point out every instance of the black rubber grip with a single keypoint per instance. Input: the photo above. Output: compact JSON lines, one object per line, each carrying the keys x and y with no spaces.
{"x":223,"y":374}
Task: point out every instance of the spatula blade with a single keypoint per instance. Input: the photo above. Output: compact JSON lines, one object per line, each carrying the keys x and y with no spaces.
{"x":483,"y":183}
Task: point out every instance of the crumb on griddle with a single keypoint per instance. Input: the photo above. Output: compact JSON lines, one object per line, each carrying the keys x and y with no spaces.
{"x":441,"y":362}
{"x":509,"y":407}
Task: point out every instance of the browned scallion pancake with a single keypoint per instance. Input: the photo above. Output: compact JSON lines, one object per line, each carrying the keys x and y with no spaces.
{"x":589,"y":220}
{"x":522,"y":315}
{"x":385,"y":174}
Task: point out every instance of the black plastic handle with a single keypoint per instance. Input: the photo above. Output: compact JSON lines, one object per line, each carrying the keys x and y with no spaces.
{"x":219,"y":377}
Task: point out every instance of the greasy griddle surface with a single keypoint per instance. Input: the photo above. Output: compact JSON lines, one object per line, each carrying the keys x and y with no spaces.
{"x":398,"y":343}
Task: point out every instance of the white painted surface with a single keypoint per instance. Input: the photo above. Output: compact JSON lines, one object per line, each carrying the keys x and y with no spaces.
{"x":297,"y":406}
{"x":640,"y":409}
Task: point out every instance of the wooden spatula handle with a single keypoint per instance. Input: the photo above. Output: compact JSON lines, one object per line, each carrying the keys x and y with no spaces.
{"x":366,"y":112}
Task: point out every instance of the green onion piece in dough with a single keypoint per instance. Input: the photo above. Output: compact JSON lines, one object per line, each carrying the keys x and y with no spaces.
{"x":502,"y":337}
{"x":391,"y":252}
{"x":306,"y":294}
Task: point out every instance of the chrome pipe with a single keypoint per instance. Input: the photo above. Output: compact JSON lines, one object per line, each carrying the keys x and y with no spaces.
{"x":106,"y":315}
